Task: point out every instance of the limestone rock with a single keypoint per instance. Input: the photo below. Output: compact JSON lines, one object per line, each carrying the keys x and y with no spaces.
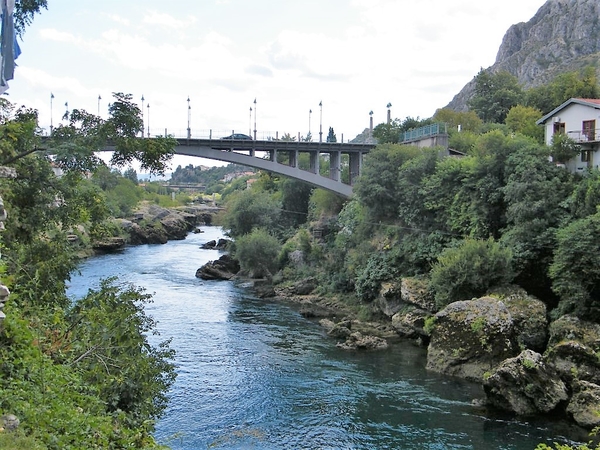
{"x":356,"y":341}
{"x":10,"y":422}
{"x":573,"y":347}
{"x":109,"y":244}
{"x":561,"y":37}
{"x":389,"y":301}
{"x":410,"y":323}
{"x":224,"y":268}
{"x":525,"y":385}
{"x":585,"y":404}
{"x":341,"y":330}
{"x":305,"y":287}
{"x":470,"y":337}
{"x":415,"y":291}
{"x":529,"y":318}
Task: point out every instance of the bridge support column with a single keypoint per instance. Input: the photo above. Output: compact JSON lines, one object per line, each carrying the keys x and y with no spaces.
{"x":273,"y":155}
{"x":335,"y":165}
{"x":293,"y":158}
{"x":355,"y":166}
{"x":314,"y":162}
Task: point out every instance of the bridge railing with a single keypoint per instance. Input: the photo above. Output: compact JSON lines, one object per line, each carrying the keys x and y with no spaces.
{"x":426,"y":131}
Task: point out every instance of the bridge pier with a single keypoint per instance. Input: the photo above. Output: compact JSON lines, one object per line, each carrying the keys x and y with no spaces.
{"x":335,"y":165}
{"x":355,"y":166}
{"x":293,"y":158}
{"x":314,"y":162}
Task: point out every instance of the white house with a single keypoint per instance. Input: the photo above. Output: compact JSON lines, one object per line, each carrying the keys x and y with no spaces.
{"x":579,"y":118}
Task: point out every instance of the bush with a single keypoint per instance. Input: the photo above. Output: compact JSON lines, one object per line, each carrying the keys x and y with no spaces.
{"x":469,"y":270}
{"x":258,"y":253}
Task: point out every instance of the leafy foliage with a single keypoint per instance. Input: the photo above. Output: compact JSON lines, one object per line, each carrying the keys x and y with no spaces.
{"x":258,"y":253}
{"x":469,"y":270}
{"x":495,"y":95}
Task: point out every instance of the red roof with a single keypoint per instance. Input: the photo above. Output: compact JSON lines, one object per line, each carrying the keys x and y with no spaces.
{"x":591,"y":100}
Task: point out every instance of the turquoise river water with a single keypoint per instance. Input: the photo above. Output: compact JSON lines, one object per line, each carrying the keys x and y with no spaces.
{"x":255,"y":374}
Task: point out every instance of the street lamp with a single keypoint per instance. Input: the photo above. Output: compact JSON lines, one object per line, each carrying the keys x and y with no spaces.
{"x":388,"y":106}
{"x":321,"y":121}
{"x":143,"y":115}
{"x":309,"y":113}
{"x":189,"y":134}
{"x":99,"y":98}
{"x":371,"y":121}
{"x":255,"y":119}
{"x":51,"y":98}
{"x":148,"y":119}
{"x":250,"y":122}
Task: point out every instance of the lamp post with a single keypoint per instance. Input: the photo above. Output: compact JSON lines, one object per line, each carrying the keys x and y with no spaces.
{"x":321,"y":121}
{"x":189,"y":131}
{"x":309,"y":114}
{"x":148,"y":119}
{"x":51,"y":126}
{"x":99,"y":98}
{"x":250,"y":122}
{"x":143,"y":115}
{"x":388,"y":106}
{"x":371,"y":121}
{"x":255,"y":119}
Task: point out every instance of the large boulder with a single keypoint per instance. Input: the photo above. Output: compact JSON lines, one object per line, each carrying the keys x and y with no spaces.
{"x":225,"y":268}
{"x":470,"y":337}
{"x":584,"y":405}
{"x":529,"y":316}
{"x":410,"y":323}
{"x":395,"y":296}
{"x":573,"y":348}
{"x":525,"y":385}
{"x":305,"y":286}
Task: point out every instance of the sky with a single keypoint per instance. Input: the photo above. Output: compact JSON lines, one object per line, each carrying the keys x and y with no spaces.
{"x":350,"y":56}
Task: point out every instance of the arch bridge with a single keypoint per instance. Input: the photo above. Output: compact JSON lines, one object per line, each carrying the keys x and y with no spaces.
{"x":264,"y":155}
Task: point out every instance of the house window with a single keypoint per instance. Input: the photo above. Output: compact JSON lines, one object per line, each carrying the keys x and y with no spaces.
{"x":559,"y":128}
{"x":589,"y":130}
{"x":586,"y":155}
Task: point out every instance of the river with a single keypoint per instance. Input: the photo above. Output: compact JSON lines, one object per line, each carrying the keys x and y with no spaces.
{"x":255,"y":374}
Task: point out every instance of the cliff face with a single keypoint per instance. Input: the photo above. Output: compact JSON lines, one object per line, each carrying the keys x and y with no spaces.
{"x":563,"y":36}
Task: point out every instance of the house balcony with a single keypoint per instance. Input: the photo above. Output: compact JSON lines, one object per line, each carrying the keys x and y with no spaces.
{"x":585,"y":136}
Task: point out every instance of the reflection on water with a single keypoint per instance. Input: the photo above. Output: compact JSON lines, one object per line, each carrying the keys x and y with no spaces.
{"x":253,"y":374}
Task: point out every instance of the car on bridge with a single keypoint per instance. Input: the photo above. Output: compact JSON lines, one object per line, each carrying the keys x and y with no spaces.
{"x":238,"y":136}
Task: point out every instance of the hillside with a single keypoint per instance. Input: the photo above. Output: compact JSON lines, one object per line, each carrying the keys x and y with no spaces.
{"x":563,"y":36}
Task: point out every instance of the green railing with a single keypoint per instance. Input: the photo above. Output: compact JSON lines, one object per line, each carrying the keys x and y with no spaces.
{"x":426,"y":131}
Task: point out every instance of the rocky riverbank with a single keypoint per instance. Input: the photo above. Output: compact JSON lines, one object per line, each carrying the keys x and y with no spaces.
{"x":526,"y":364}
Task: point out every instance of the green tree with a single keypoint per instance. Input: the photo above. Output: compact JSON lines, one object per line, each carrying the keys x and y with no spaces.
{"x":131,"y":174}
{"x":575,"y":270}
{"x":113,"y":354}
{"x":563,"y":148}
{"x":522,"y":119}
{"x":536,"y":194}
{"x":470,"y":270}
{"x":331,"y":137}
{"x":495,"y":94}
{"x":388,"y":133}
{"x":468,"y":121}
{"x":258,"y":253}
{"x":250,"y":209}
{"x":377,"y":186}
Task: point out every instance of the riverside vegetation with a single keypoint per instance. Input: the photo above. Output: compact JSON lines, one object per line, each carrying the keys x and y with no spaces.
{"x":489,"y":259}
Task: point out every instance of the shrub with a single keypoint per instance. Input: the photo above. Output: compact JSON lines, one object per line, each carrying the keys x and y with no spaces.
{"x":469,"y":270}
{"x":258,"y":253}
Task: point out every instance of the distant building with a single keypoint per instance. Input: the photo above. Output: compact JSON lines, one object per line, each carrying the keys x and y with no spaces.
{"x":578,"y":118}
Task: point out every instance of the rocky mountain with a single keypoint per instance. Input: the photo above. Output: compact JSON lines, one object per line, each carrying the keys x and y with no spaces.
{"x":563,"y":36}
